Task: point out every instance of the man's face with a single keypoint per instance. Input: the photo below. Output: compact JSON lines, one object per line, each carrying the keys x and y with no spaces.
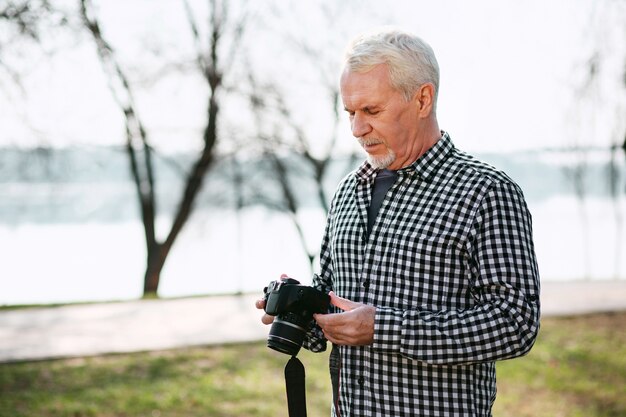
{"x":386,"y":125}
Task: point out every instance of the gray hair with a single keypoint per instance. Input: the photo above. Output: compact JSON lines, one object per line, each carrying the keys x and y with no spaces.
{"x":411,"y":61}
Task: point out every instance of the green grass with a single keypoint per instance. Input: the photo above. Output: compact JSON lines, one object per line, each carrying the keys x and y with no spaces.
{"x":577,"y":368}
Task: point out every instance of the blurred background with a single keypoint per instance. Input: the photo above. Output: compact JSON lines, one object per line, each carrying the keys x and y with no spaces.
{"x":192,"y":147}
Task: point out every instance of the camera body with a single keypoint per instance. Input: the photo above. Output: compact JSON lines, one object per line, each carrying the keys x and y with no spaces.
{"x":293,"y":305}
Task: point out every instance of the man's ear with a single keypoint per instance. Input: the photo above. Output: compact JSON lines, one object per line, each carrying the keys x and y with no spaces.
{"x":425,"y":99}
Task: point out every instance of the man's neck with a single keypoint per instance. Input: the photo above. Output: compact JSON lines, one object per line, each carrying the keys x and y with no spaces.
{"x":426,"y":139}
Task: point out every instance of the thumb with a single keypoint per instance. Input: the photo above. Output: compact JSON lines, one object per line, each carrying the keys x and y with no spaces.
{"x":342,"y":303}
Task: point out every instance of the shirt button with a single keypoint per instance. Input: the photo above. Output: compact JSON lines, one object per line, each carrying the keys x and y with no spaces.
{"x":366,"y":284}
{"x":361,"y":380}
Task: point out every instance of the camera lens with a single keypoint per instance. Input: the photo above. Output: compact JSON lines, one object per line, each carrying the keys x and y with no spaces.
{"x":286,"y":334}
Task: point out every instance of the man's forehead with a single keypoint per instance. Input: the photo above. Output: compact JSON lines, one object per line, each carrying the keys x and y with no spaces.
{"x":360,"y":99}
{"x":365,"y":89}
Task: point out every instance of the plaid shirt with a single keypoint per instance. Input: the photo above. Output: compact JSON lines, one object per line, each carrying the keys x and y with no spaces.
{"x":451,"y":269}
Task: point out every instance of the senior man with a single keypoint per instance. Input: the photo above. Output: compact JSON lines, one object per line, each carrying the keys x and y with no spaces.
{"x":427,"y":253}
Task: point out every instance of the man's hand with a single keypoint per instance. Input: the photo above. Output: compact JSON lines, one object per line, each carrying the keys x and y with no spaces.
{"x":354,"y":327}
{"x":266,"y":318}
{"x":260,"y":304}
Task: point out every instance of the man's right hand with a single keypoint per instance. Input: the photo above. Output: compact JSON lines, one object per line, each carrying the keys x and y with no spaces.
{"x":266,"y":318}
{"x":260,"y":304}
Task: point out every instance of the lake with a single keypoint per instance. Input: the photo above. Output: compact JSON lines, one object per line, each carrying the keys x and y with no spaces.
{"x":74,"y":240}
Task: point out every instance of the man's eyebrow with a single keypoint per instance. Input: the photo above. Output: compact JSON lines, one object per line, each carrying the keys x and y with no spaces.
{"x":364,"y":108}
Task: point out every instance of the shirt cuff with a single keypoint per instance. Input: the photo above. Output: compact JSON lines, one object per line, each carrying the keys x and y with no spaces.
{"x":387,"y":330}
{"x":314,"y":340}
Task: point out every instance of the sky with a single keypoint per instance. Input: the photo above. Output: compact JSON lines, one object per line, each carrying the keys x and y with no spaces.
{"x":511,"y":71}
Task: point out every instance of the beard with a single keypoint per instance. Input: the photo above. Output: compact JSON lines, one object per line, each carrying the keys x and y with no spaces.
{"x":379,"y":161}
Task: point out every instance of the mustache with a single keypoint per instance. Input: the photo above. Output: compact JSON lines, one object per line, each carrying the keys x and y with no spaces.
{"x":369,"y":141}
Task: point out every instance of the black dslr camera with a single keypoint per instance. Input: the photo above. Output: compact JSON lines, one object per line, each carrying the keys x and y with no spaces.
{"x":293,"y":305}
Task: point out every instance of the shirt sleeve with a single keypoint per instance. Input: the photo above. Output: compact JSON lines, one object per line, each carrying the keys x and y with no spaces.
{"x":504,"y":321}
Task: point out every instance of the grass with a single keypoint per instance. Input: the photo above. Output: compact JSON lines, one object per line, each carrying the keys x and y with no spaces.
{"x":577,"y":368}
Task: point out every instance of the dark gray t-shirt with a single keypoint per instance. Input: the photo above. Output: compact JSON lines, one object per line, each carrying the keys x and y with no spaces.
{"x":383,"y":182}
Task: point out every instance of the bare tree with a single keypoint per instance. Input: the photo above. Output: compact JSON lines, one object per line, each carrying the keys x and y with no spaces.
{"x":22,"y":20}
{"x":300,"y":156}
{"x":608,"y":74}
{"x":288,"y":149}
{"x":28,"y":29}
{"x":140,"y":152}
{"x":598,"y":95}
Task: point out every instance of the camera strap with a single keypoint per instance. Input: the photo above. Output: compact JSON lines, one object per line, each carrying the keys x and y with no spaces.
{"x":296,"y":393}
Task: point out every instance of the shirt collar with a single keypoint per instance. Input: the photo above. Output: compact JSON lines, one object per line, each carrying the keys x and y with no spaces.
{"x":425,"y":166}
{"x":365,"y":172}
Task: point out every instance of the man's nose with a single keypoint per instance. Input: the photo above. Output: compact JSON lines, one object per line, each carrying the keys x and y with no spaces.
{"x":360,"y":126}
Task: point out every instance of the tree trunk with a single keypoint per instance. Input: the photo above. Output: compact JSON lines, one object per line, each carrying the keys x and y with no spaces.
{"x":154,"y":265}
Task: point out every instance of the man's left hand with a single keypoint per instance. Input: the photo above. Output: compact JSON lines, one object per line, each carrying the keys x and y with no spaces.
{"x":353,"y":327}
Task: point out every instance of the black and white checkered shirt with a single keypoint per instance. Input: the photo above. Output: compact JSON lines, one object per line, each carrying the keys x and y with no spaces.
{"x":451,"y":269}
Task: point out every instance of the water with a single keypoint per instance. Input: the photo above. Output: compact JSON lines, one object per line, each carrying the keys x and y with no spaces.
{"x":580,"y":240}
{"x":69,"y":231}
{"x":220,"y":252}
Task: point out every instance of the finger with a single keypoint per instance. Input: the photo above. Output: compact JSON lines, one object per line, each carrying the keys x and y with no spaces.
{"x":332,"y":339}
{"x":355,"y":327}
{"x":260,"y":304}
{"x":329,"y":322}
{"x":284,"y":276}
{"x":337,"y":337}
{"x":267,"y":319}
{"x":321,"y":319}
{"x":333,"y":327}
{"x":343,"y":303}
